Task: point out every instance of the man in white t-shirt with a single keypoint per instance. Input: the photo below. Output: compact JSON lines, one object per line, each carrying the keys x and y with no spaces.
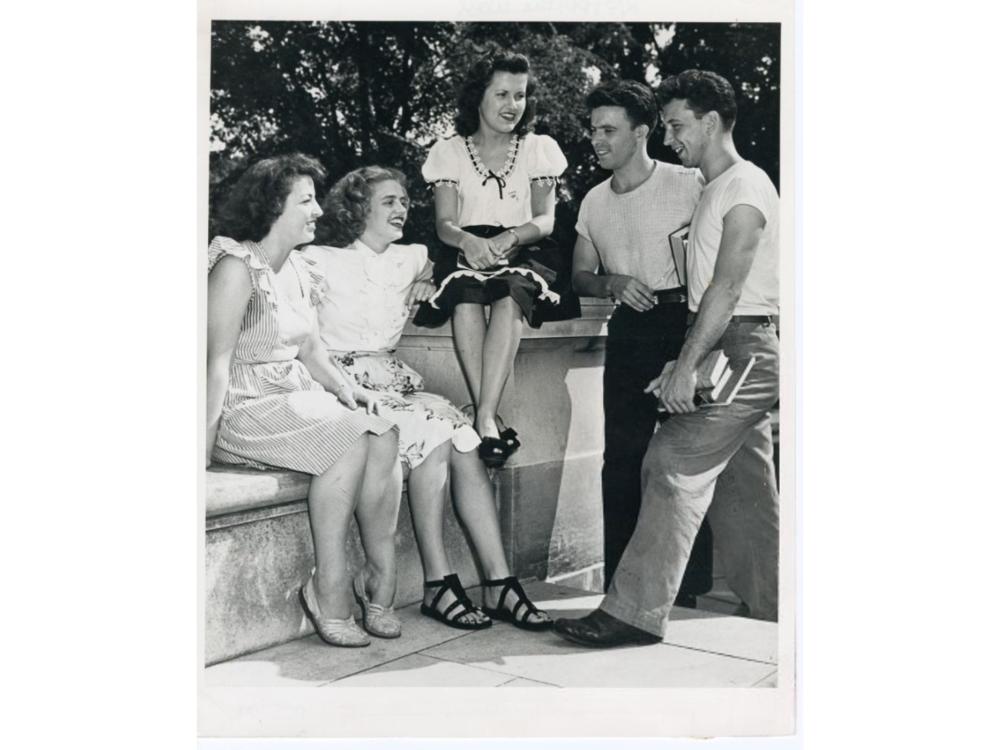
{"x":732,"y":270}
{"x":624,"y":227}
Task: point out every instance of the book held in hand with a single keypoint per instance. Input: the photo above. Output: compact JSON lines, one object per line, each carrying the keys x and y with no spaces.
{"x":718,"y":378}
{"x":723,"y":393}
{"x":713,"y":372}
{"x":678,"y":249}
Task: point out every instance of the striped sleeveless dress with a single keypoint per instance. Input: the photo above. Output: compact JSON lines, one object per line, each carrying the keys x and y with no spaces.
{"x":275,"y":415}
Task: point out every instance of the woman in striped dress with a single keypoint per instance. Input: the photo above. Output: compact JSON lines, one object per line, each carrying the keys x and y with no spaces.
{"x":276,"y":400}
{"x":372,"y":284}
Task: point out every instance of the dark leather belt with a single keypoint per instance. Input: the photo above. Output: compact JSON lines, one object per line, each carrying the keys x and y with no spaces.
{"x":760,"y":319}
{"x":671,"y":296}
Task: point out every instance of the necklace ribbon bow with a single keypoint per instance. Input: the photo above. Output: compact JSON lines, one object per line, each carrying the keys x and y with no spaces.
{"x":501,"y":183}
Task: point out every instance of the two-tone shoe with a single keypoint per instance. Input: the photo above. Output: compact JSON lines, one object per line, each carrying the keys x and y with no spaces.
{"x":378,"y":620}
{"x":344,"y":633}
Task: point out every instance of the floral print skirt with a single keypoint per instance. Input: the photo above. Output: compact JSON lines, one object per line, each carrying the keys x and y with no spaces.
{"x":425,"y":421}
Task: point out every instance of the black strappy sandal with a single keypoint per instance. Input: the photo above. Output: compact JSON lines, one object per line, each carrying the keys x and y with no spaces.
{"x":462,"y":602}
{"x":523,"y":606}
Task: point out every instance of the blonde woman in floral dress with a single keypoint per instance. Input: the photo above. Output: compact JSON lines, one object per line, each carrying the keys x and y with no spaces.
{"x":372,"y":284}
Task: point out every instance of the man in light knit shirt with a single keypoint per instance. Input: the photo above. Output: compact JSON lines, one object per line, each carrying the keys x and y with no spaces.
{"x":624,"y":225}
{"x":733,"y":286}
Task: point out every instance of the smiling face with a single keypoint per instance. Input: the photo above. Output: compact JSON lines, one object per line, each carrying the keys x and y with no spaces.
{"x":387,"y":210}
{"x":297,"y":223}
{"x":615,"y":141}
{"x":687,"y":134}
{"x":503,"y":102}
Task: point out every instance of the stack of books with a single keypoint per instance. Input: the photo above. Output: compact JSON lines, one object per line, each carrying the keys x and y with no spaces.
{"x":719,"y":378}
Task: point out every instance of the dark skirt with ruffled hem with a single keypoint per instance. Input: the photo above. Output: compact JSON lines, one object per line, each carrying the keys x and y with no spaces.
{"x":538,"y":279}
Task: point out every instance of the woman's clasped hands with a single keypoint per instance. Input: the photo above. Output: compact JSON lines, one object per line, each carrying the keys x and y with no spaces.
{"x":482,"y":253}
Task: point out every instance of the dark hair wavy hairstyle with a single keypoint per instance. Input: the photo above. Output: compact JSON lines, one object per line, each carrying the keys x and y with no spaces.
{"x":637,"y":99}
{"x":346,"y":206}
{"x":477,"y":78}
{"x":704,"y":92}
{"x":257,"y":199}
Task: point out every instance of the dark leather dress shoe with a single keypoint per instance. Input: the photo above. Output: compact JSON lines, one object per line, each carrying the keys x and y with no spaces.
{"x":601,"y":630}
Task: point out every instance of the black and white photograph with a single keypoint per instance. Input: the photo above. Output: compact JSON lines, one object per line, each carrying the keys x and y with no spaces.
{"x":497,"y":311}
{"x":499,"y":373}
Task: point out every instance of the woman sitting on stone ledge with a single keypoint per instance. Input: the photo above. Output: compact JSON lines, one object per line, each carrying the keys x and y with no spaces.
{"x":372,"y":284}
{"x":276,"y":400}
{"x":494,"y":204}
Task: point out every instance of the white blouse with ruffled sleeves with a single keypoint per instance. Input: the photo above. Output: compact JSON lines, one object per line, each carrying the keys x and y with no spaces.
{"x":364,"y":306}
{"x":497,"y":199}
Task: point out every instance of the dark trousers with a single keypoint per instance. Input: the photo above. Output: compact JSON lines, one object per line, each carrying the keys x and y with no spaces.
{"x":638,"y":346}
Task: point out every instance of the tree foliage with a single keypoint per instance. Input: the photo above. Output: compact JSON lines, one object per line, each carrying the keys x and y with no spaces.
{"x":357,"y":93}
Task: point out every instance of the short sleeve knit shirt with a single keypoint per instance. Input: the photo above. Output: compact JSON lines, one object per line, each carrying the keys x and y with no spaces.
{"x":744,"y":183}
{"x":631,"y":231}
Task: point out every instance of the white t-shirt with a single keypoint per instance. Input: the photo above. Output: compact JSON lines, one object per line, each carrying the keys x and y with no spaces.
{"x":530,"y":158}
{"x":744,"y":183}
{"x":631,"y":231}
{"x":364,"y":307}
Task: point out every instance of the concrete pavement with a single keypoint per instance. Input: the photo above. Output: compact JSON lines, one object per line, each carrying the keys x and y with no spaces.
{"x":703,"y":648}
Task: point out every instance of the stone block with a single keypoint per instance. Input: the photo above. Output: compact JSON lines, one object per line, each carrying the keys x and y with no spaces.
{"x":257,"y":559}
{"x":554,"y":513}
{"x":254,"y":567}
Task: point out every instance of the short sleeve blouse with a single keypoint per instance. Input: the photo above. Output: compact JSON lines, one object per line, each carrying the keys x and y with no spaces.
{"x":503,"y":199}
{"x":364,"y":303}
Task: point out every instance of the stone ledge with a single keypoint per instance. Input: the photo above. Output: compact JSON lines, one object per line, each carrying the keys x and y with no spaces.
{"x":235,"y":489}
{"x":241,"y":489}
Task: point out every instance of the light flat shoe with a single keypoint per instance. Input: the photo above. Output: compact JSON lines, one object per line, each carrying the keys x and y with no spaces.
{"x":378,"y":620}
{"x":344,"y":633}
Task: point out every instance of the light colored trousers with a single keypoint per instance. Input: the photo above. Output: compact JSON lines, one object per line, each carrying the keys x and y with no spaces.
{"x":725,"y":450}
